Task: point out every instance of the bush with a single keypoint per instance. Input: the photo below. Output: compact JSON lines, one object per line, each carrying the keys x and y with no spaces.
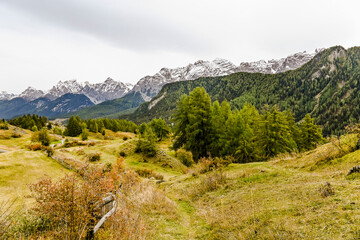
{"x":147,"y":173}
{"x":70,"y":203}
{"x":146,"y":147}
{"x":41,"y":136}
{"x":58,"y":131}
{"x":209,"y":182}
{"x":75,"y":143}
{"x":185,"y":157}
{"x":50,"y":151}
{"x":122,"y":153}
{"x":4,"y":126}
{"x":208,"y":164}
{"x":84,"y":134}
{"x":93,"y":157}
{"x":16,"y":135}
{"x":35,"y":147}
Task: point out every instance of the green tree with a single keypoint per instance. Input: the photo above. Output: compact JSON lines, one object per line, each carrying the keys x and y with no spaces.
{"x":276,"y":135}
{"x":84,"y":134}
{"x":160,"y":128}
{"x":41,"y":136}
{"x":74,"y":127}
{"x":197,"y":134}
{"x":142,"y":128}
{"x":310,"y":133}
{"x":181,"y":119}
{"x":93,"y":127}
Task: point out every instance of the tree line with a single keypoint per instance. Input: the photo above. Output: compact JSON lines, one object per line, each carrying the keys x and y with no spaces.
{"x":248,"y":135}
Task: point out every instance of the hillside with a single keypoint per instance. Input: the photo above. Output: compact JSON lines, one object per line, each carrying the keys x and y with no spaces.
{"x":112,"y":108}
{"x":306,"y":195}
{"x":66,"y":103}
{"x":149,"y":86}
{"x":327,"y":87}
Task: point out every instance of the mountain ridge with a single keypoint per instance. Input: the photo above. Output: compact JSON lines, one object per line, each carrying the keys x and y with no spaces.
{"x":328,"y":87}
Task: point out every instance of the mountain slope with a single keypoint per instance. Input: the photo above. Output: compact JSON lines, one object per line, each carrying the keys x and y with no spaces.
{"x":43,"y":106}
{"x":112,"y":108}
{"x":149,"y":86}
{"x":327,"y":87}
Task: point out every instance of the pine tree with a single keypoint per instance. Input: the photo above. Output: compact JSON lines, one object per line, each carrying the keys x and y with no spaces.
{"x":310,"y":133}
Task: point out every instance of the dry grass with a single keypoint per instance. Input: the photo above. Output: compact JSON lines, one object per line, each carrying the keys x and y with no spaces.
{"x":280,"y":199}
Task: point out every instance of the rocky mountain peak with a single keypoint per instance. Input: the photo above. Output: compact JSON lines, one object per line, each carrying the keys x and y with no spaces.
{"x":31,"y":93}
{"x":149,"y":86}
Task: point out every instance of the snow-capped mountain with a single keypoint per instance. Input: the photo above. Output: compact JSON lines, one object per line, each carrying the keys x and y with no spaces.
{"x":31,"y":94}
{"x":97,"y":93}
{"x":149,"y":86}
{"x":5,"y":96}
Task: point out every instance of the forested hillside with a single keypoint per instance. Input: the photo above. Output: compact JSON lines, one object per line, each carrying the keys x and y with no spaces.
{"x":326,"y":88}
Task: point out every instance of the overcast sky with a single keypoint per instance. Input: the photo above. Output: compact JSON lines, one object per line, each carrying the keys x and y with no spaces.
{"x":44,"y":41}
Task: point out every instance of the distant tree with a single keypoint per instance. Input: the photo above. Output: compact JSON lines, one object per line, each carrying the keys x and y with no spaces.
{"x":74,"y":127}
{"x":93,"y":126}
{"x":142,"y":128}
{"x":84,"y":134}
{"x":160,"y":128}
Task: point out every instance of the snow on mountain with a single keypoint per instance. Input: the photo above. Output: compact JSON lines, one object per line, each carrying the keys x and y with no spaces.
{"x":6,"y":96}
{"x":31,"y":94}
{"x":149,"y":86}
{"x":97,"y":93}
{"x":277,"y":66}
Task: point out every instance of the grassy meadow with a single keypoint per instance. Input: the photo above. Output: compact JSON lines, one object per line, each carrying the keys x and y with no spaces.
{"x":292,"y":196}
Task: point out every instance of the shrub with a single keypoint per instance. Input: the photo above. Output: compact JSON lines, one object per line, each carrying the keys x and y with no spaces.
{"x":209,"y":182}
{"x":146,"y":147}
{"x":16,"y":135}
{"x":35,"y":147}
{"x":70,"y":203}
{"x":208,"y":164}
{"x":122,"y":153}
{"x":41,"y":136}
{"x":50,"y":151}
{"x":93,"y":157}
{"x":326,"y":190}
{"x":75,"y":143}
{"x":84,"y":134}
{"x":4,"y":126}
{"x":147,"y":173}
{"x":58,"y":131}
{"x":185,"y":157}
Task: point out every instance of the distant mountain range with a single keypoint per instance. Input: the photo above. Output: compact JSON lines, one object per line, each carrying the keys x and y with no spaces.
{"x":112,"y":97}
{"x":327,"y":87}
{"x":97,"y":93}
{"x":149,"y":86}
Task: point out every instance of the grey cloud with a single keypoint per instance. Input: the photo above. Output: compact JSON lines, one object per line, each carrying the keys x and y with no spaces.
{"x":121,"y":27}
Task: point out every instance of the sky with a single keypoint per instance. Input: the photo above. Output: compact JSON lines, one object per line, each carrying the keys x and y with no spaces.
{"x":43,"y":42}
